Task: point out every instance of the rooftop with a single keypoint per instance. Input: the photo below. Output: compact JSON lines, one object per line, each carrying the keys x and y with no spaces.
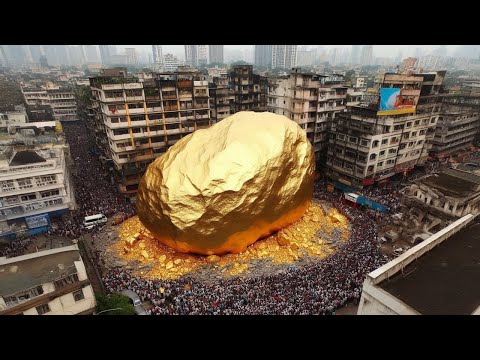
{"x":453,"y":183}
{"x":445,"y":279}
{"x":24,"y":272}
{"x":26,"y":157}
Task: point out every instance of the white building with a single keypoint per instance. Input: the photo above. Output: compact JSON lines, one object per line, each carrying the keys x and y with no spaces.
{"x":284,"y":56}
{"x":158,"y":61}
{"x":170,"y":63}
{"x":35,"y":183}
{"x":131,"y":56}
{"x":15,"y":117}
{"x":61,"y":100}
{"x":51,"y":282}
{"x":202,"y":57}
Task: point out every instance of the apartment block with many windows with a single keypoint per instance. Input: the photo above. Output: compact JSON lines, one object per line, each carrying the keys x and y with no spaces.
{"x":137,"y":120}
{"x":250,"y":90}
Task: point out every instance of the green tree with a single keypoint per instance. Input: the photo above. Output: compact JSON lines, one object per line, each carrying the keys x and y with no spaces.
{"x":114,"y":301}
{"x":349,"y":75}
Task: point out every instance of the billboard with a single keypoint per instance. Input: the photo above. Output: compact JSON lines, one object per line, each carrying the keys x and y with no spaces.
{"x":37,"y":221}
{"x":395,"y":101}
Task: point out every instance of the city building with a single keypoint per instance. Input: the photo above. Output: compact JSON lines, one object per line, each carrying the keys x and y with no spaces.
{"x":158,"y":62}
{"x":356,"y":50}
{"x":374,"y":141}
{"x":35,"y":182}
{"x":284,"y":56}
{"x":366,"y":58}
{"x":216,"y":54}
{"x":61,"y":99}
{"x":171,"y":63}
{"x":306,"y":57}
{"x":457,"y":126}
{"x":131,"y":56}
{"x":263,"y":55}
{"x":91,"y":54}
{"x":105,"y":54}
{"x":435,"y":277}
{"x":250,"y":90}
{"x":13,"y":117}
{"x":222,"y":98}
{"x":202,"y":54}
{"x":137,"y":121}
{"x":360,"y":82}
{"x":191,"y":55}
{"x":408,"y":64}
{"x":471,"y":87}
{"x":311,"y":100}
{"x":50,"y":282}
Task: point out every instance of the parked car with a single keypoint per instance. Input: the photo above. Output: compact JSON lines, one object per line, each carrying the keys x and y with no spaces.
{"x":135,"y":300}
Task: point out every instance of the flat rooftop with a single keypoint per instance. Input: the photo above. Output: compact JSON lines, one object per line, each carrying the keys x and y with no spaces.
{"x":446,"y":279}
{"x":450,"y":184}
{"x":27,"y":273}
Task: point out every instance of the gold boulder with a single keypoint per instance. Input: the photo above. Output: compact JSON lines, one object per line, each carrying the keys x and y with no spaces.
{"x":220,"y":189}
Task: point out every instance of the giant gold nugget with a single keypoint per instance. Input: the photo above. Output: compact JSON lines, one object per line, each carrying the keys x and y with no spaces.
{"x":220,"y":189}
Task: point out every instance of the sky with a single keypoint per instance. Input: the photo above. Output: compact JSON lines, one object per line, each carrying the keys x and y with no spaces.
{"x":379,"y":50}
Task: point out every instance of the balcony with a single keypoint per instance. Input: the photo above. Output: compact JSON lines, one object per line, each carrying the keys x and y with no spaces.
{"x":134,"y":98}
{"x":184,"y":83}
{"x":136,"y":111}
{"x":169,"y":97}
{"x":171,"y":108}
{"x":200,"y":83}
{"x":113,"y":99}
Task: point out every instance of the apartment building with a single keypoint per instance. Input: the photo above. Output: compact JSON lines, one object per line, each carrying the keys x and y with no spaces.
{"x":50,"y":282}
{"x":35,"y":182}
{"x":250,"y":90}
{"x":62,"y":100}
{"x":137,"y":121}
{"x":311,"y":100}
{"x":222,"y":98}
{"x":372,"y":142}
{"x":284,"y":56}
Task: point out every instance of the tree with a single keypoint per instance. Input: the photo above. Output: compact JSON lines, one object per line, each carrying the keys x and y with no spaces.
{"x":114,"y":301}
{"x":349,"y":75}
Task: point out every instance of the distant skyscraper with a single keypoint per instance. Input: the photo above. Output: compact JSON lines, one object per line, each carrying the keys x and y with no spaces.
{"x":171,"y":62}
{"x":216,"y":53}
{"x":62,"y":55}
{"x":263,"y":55}
{"x":305,"y":57}
{"x":17,"y":54}
{"x":367,"y":55}
{"x":131,"y":55}
{"x":157,"y":56}
{"x":36,"y":51}
{"x":105,"y":54}
{"x":76,"y":55}
{"x":284,"y":56}
{"x":43,"y":61}
{"x":202,"y":54}
{"x":191,"y":55}
{"x":91,"y":54}
{"x":356,"y":54}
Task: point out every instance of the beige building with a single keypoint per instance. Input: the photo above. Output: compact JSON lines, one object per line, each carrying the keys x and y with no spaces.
{"x":50,"y":282}
{"x":137,"y":121}
{"x":312,"y":101}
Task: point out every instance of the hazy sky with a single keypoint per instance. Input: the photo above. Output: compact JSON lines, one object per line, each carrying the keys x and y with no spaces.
{"x":379,"y":50}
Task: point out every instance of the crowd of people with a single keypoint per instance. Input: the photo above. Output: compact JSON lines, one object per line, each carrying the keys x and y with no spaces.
{"x":15,"y":248}
{"x":318,"y":287}
{"x":93,"y":194}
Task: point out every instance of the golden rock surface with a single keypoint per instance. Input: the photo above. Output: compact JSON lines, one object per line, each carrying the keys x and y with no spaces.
{"x":218,"y":190}
{"x":304,"y":237}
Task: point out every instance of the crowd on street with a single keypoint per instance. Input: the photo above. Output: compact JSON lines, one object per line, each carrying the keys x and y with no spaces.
{"x":316,"y":288}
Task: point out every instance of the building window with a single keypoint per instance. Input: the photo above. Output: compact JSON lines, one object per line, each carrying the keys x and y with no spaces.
{"x":373,"y":156}
{"x":364,"y":142}
{"x":78,"y":295}
{"x":340,"y":137}
{"x":375,"y":143}
{"x":422,"y":132}
{"x":417,"y":122}
{"x":43,"y":309}
{"x":410,"y":144}
{"x":409,"y":124}
{"x":419,"y":142}
{"x":370,"y":168}
{"x":392,"y":151}
{"x":402,"y":146}
{"x":382,"y":152}
{"x":384,"y":141}
{"x":27,"y":197}
{"x":380,"y":163}
{"x":414,"y":133}
{"x":352,"y":139}
{"x":25,"y":184}
{"x":71,"y":279}
{"x":391,"y":161}
{"x":432,"y":120}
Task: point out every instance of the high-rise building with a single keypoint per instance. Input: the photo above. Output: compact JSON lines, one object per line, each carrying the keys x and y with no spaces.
{"x":284,"y":56}
{"x":131,"y":55}
{"x":36,"y":51}
{"x":105,"y":54}
{"x":202,"y":54}
{"x":171,"y":62}
{"x":62,"y":55}
{"x":17,"y":54}
{"x":356,"y":49}
{"x":367,"y":55}
{"x":216,"y":54}
{"x":91,"y":54}
{"x":76,"y":55}
{"x":306,"y":57}
{"x":191,"y":55}
{"x":250,"y":89}
{"x":263,"y":55}
{"x":312,"y":101}
{"x":157,"y":56}
{"x":136,"y":122}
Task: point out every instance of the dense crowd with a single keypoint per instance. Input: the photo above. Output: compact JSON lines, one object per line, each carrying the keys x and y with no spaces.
{"x":318,"y":287}
{"x":15,"y":248}
{"x":93,"y":194}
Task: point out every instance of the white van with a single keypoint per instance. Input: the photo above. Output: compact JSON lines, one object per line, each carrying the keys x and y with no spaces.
{"x":91,"y":221}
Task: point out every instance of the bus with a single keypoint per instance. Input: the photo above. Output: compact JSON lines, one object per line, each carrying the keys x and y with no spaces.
{"x":93,"y":220}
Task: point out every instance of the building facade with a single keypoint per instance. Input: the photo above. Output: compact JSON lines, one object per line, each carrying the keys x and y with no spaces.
{"x":263,"y":55}
{"x":50,"y":282}
{"x":158,"y":61}
{"x":365,"y":147}
{"x":250,"y":90}
{"x":131,"y":56}
{"x":284,"y":56}
{"x":35,"y":183}
{"x":171,"y":63}
{"x":222,"y":98}
{"x":62,"y":100}
{"x":215,"y":54}
{"x":312,"y":101}
{"x":136,"y":122}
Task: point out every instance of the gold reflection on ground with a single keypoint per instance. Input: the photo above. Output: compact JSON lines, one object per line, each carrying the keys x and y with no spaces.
{"x":309,"y":235}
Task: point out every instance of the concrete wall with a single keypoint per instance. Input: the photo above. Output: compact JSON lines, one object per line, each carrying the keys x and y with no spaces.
{"x":377,"y":301}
